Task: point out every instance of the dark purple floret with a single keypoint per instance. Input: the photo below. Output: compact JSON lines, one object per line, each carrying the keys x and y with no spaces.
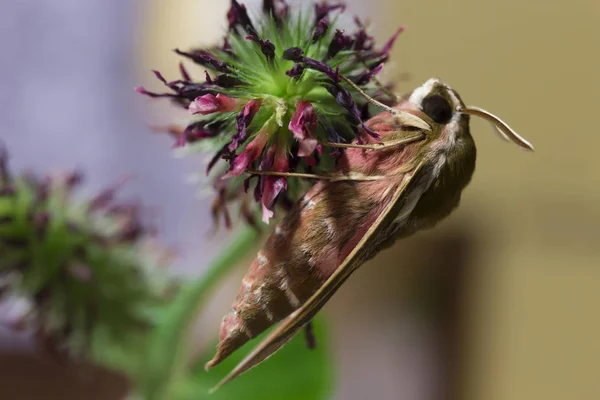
{"x":145,"y":92}
{"x":196,"y":131}
{"x":320,"y":29}
{"x":269,"y":7}
{"x":362,"y":41}
{"x":226,"y":47}
{"x":204,"y":58}
{"x":192,"y":90}
{"x":279,"y":13}
{"x":184,"y":74}
{"x":339,"y":43}
{"x":160,"y":77}
{"x":365,"y":114}
{"x":366,"y":76}
{"x":238,"y":17}
{"x":227,"y":81}
{"x":219,"y":154}
{"x":244,"y":119}
{"x":332,"y":133}
{"x":267,"y":48}
{"x":323,"y":10}
{"x":296,"y":71}
{"x":322,"y":67}
{"x":390,"y":43}
{"x":293,"y":54}
{"x":344,"y":98}
{"x":185,"y":91}
{"x":223,"y":80}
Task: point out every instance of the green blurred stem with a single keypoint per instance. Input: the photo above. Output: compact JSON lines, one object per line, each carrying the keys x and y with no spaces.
{"x":239,"y":247}
{"x":168,"y":352}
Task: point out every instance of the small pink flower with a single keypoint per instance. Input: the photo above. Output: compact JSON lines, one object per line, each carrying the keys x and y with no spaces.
{"x":252,"y":151}
{"x":209,"y":104}
{"x":303,"y":125}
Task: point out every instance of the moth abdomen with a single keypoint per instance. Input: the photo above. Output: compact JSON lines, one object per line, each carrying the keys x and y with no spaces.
{"x":269,"y":292}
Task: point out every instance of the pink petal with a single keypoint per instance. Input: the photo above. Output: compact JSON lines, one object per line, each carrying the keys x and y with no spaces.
{"x":266,"y":214}
{"x":303,"y":125}
{"x":252,"y":151}
{"x":209,"y":104}
{"x":273,"y":187}
{"x":307,"y":147}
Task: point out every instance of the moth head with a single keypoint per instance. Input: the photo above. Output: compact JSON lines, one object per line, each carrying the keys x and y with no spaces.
{"x":445,"y":109}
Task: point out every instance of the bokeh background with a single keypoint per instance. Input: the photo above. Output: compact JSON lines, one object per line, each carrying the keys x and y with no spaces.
{"x":501,"y":301}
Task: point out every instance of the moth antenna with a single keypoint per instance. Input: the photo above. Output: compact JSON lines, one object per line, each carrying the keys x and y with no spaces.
{"x":385,"y":90}
{"x":501,"y":126}
{"x":371,"y":100}
{"x":404,"y":117}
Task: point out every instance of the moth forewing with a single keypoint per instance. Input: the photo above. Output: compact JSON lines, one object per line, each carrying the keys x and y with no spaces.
{"x":295,"y":321}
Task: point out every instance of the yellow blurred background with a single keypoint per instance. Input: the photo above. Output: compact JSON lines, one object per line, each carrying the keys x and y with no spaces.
{"x":532,"y":300}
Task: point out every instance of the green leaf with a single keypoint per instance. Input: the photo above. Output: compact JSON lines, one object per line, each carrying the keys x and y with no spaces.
{"x":168,"y":350}
{"x":293,"y":373}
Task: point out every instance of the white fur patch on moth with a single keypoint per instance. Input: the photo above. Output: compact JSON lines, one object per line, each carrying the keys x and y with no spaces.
{"x":278,"y":230}
{"x":292,"y":298}
{"x":439,"y":164}
{"x":246,"y":284}
{"x":422,"y":91}
{"x":285,"y":286}
{"x":268,"y":313}
{"x":262,"y":259}
{"x":239,"y":326}
{"x":329,"y":225}
{"x":264,"y":306}
{"x":307,"y":251}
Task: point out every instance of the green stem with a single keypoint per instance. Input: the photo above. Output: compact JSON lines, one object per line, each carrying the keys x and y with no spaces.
{"x":168,"y":351}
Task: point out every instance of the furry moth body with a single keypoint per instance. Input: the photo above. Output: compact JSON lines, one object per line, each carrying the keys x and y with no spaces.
{"x":339,"y":224}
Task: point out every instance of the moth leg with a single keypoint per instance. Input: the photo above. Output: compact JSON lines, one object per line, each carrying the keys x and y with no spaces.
{"x":334,"y":178}
{"x":309,"y":335}
{"x":385,"y":90}
{"x":415,"y":137}
{"x":405,"y":118}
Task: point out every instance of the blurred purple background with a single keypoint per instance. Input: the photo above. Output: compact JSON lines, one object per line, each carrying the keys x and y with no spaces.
{"x":67,"y":101}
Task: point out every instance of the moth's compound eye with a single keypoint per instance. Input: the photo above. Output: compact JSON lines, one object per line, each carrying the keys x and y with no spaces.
{"x":437,"y":108}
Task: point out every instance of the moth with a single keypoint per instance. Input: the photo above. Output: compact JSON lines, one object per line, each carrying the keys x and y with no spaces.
{"x":380,"y":191}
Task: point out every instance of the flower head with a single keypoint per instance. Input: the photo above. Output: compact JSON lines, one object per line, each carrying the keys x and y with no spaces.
{"x":88,"y":271}
{"x":274,"y":97}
